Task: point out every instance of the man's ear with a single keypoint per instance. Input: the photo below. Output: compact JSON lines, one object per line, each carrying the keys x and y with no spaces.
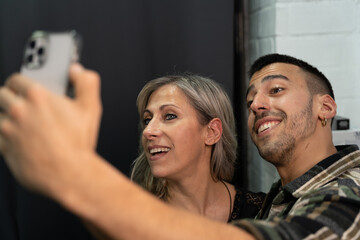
{"x":327,"y":107}
{"x":213,"y":131}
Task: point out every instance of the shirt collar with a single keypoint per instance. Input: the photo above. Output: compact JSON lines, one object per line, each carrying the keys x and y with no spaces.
{"x":348,"y":156}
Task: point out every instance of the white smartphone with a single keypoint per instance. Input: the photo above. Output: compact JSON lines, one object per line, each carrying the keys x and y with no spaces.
{"x":47,"y":57}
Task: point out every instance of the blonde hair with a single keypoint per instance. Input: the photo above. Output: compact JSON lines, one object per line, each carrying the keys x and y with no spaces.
{"x":210,"y":101}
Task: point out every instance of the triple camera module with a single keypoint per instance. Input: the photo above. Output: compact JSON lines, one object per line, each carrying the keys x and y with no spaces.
{"x":35,"y":52}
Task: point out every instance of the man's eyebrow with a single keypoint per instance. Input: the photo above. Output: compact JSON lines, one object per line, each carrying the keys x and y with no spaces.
{"x":267,"y":78}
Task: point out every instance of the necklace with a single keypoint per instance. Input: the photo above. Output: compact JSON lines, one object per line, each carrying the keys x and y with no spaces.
{"x":229,"y":198}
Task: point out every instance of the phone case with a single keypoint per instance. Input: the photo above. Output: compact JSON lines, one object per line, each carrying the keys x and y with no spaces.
{"x":47,"y":58}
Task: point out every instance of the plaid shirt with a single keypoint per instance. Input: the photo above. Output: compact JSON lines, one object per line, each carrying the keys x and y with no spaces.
{"x":324,"y":203}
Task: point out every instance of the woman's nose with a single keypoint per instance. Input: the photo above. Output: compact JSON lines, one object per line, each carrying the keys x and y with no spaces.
{"x":152,"y":129}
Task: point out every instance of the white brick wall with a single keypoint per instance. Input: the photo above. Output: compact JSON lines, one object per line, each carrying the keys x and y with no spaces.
{"x":320,"y":17}
{"x":260,"y":4}
{"x":325,"y":33}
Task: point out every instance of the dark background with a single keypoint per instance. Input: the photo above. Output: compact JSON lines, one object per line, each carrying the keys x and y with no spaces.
{"x":128,"y":42}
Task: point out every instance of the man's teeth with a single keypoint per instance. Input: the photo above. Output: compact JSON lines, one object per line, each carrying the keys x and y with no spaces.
{"x":158,"y":150}
{"x":266,"y":126}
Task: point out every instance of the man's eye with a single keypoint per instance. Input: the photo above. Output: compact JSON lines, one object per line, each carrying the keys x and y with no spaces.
{"x":276,"y":90}
{"x":170,"y":116}
{"x":146,"y":121}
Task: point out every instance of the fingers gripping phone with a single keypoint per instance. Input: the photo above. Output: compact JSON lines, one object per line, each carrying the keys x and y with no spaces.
{"x":47,"y":57}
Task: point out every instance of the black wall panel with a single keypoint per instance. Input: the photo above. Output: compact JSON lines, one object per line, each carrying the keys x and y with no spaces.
{"x":128,"y":42}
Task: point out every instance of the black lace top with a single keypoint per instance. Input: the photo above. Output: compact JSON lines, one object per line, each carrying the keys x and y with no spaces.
{"x":247,"y":204}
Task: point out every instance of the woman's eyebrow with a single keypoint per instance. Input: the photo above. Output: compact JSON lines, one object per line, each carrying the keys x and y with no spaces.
{"x":162,"y":107}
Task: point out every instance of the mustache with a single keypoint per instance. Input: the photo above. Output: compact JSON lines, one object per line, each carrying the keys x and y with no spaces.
{"x":267,"y":114}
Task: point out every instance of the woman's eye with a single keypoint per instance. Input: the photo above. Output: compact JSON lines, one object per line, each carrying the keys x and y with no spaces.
{"x":248,"y":104}
{"x":170,"y":116}
{"x":276,"y":90}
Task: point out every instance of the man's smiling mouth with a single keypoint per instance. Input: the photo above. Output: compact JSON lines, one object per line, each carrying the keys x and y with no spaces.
{"x":267,"y":125}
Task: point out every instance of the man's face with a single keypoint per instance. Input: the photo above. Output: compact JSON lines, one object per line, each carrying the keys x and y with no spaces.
{"x":280,"y":111}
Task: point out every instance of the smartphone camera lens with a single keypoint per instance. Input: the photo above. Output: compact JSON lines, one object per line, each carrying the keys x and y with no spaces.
{"x":40,"y":51}
{"x":32,"y":44}
{"x":29,"y":58}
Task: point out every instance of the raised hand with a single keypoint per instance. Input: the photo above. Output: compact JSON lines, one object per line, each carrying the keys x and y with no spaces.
{"x":41,"y":133}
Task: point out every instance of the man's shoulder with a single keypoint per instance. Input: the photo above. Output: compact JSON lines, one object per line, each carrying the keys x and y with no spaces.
{"x":340,"y":169}
{"x":344,"y":186}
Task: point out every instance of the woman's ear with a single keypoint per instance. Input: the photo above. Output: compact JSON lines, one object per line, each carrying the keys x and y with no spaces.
{"x":327,"y":107}
{"x":213,"y":131}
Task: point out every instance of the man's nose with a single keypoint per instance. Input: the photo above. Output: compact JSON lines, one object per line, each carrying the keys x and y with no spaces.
{"x":260,"y":103}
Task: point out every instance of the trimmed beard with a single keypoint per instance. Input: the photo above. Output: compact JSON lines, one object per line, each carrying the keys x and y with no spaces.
{"x":299,"y":127}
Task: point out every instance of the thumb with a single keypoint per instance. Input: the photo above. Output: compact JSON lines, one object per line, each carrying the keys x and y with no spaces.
{"x":86,"y":84}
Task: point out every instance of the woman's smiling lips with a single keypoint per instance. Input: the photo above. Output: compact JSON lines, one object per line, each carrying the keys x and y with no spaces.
{"x":157,"y":152}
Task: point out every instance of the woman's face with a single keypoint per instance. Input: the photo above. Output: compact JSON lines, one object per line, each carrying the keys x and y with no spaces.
{"x":173,"y":138}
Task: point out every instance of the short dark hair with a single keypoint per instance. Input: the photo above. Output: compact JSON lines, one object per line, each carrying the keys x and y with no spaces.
{"x":321,"y":83}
